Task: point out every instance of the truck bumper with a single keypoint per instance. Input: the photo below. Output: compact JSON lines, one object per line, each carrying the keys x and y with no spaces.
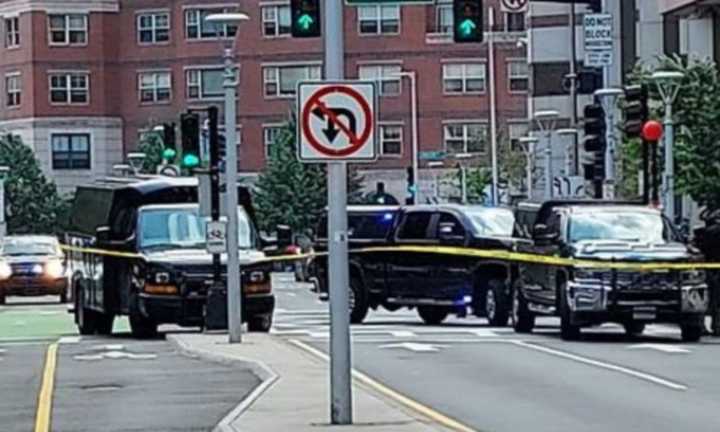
{"x":35,"y":286}
{"x":188,"y":312}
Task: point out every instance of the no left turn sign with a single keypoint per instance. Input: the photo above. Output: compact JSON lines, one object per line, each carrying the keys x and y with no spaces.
{"x":337,"y":121}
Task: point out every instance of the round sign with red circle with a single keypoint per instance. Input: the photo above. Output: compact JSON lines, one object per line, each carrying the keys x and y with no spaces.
{"x":514,"y":5}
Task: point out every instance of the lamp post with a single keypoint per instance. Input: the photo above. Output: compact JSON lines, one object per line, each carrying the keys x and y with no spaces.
{"x":608,"y":99}
{"x":493,"y":105}
{"x":234,"y":288}
{"x":463,"y":173}
{"x":412,"y":76}
{"x":135,"y":160}
{"x":545,"y":121}
{"x":529,"y":143}
{"x":4,"y":170}
{"x":435,"y":165}
{"x":668,"y":84}
{"x":569,"y":150}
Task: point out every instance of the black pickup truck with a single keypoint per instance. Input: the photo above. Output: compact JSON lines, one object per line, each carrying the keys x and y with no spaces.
{"x":436,"y":284}
{"x":605,"y":232}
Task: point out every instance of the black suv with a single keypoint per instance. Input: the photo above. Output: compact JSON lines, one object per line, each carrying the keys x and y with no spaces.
{"x":605,"y":232}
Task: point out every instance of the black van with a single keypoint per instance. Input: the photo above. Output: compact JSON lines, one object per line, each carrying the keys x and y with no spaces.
{"x":165,"y":276}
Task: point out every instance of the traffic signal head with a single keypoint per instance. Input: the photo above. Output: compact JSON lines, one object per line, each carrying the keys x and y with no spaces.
{"x":595,"y":128}
{"x":594,"y":167}
{"x":305,"y":16}
{"x":170,"y":150}
{"x":468,"y":21}
{"x":190,"y":130}
{"x":635,"y":109}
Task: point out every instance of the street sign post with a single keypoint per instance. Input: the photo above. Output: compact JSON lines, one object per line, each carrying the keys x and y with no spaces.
{"x":597,"y":29}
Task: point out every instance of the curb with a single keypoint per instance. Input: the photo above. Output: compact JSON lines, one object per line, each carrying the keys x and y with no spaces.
{"x":267,"y":377}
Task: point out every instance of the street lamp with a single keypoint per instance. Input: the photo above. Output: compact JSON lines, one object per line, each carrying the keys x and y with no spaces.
{"x":608,"y":98}
{"x":463,"y":173}
{"x":668,"y":84}
{"x":234,"y":289}
{"x":545,"y":121}
{"x":570,"y":132}
{"x":412,"y":76}
{"x":529,"y":143}
{"x":436,"y":186}
{"x":135,"y":160}
{"x":4,"y":170}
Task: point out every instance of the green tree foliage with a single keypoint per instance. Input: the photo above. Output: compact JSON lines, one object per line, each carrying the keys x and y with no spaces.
{"x":697,"y":116}
{"x":151,"y":143}
{"x":33,"y":204}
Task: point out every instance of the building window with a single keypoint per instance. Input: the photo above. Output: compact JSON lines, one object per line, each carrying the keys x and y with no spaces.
{"x":196,"y":28}
{"x":386,"y":76}
{"x":276,"y":20}
{"x":518,"y":75}
{"x":205,"y":83}
{"x":70,"y":151}
{"x":13,"y":89}
{"x":12,"y":32}
{"x":154,"y":86}
{"x":444,"y":18}
{"x":462,"y":78}
{"x":391,"y":137}
{"x":69,"y":88}
{"x":465,"y":137}
{"x":70,"y":29}
{"x":270,"y":136}
{"x":515,"y":22}
{"x":281,"y":81}
{"x":379,"y":19}
{"x":153,"y":27}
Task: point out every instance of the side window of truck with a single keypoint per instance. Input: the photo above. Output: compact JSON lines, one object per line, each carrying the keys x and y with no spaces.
{"x":415,"y":226}
{"x":447,"y":219}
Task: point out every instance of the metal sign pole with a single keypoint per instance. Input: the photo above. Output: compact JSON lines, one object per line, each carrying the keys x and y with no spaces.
{"x":2,"y":203}
{"x":340,"y":377}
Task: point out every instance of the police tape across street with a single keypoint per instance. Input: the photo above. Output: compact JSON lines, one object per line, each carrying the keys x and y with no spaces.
{"x":461,"y":251}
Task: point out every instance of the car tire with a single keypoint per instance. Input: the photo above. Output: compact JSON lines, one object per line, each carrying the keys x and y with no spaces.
{"x":260,"y":323}
{"x":2,"y":298}
{"x":432,"y":315}
{"x":634,"y":328}
{"x":140,"y":326}
{"x":84,"y":317}
{"x":691,"y":332}
{"x":496,"y":303}
{"x":568,"y":330}
{"x":523,"y":320}
{"x":359,"y":305}
{"x":104,"y":324}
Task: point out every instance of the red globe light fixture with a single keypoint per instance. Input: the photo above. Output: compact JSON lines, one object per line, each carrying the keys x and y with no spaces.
{"x":652,"y":130}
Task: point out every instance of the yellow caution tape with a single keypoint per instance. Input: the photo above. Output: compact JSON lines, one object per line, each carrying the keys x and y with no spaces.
{"x":103,"y":252}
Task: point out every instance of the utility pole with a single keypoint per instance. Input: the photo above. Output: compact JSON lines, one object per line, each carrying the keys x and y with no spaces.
{"x":608,"y":99}
{"x":3,"y":227}
{"x":493,"y":106}
{"x":573,"y":76}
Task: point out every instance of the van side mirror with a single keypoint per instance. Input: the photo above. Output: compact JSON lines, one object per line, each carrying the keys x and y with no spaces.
{"x":447,"y":235}
{"x":284,"y":236}
{"x":543,"y":234}
{"x":102,"y":234}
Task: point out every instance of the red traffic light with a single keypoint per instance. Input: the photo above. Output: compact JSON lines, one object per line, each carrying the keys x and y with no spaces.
{"x":652,"y":130}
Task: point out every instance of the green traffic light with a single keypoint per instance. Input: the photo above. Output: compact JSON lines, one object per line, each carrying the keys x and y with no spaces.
{"x":169,"y":154}
{"x":305,"y":21}
{"x":190,"y":161}
{"x":467,"y":27}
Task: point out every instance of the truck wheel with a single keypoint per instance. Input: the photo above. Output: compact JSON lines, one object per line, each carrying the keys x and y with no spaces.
{"x":260,"y":323}
{"x":634,"y":328}
{"x":496,"y":303}
{"x":84,"y":317}
{"x":2,"y":298}
{"x":432,"y":315}
{"x":691,"y":332}
{"x":63,"y":297}
{"x":104,"y":324}
{"x":568,"y":330}
{"x":523,"y":320}
{"x":358,"y":301}
{"x":140,"y":326}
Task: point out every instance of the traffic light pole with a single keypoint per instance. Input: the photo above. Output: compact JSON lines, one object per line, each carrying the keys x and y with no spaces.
{"x":340,"y":376}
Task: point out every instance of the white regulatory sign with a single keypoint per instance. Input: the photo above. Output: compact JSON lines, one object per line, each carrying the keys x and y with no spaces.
{"x":337,"y":121}
{"x":216,"y":237}
{"x":513,"y":6}
{"x":597,"y":31}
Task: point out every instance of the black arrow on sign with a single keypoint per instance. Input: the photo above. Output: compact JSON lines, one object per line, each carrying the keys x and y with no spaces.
{"x":331,"y":131}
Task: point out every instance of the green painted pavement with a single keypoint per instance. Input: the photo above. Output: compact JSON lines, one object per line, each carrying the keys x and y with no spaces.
{"x":42,"y":322}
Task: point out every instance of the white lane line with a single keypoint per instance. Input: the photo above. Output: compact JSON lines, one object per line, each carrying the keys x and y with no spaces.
{"x":415,"y":347}
{"x":69,"y":340}
{"x":403,"y":334}
{"x":671,"y":349}
{"x":608,"y":366}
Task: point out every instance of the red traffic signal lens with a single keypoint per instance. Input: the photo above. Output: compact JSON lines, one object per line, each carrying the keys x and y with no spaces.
{"x":652,"y":130}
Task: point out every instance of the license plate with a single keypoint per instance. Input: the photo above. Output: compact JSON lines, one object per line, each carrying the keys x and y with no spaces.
{"x":644,"y":313}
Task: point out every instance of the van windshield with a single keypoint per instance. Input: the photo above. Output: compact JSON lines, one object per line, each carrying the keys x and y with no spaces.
{"x":183,"y":228}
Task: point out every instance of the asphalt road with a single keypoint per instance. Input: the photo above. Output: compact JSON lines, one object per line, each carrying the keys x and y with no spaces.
{"x":491,"y":379}
{"x":108,"y":384}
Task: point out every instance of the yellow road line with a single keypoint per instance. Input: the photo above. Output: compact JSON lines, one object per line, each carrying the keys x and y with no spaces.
{"x":407,"y":402}
{"x":44,"y":407}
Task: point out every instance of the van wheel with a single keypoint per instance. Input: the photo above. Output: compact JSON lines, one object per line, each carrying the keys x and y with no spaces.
{"x":104,"y":324}
{"x":260,"y":323}
{"x":432,"y":315}
{"x":634,"y":328}
{"x":140,"y":326}
{"x":358,"y":301}
{"x":523,"y":320}
{"x":84,"y":317}
{"x":691,"y":332}
{"x":496,"y":303}
{"x":568,"y":330}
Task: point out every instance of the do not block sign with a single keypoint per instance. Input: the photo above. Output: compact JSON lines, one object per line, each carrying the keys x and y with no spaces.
{"x":337,"y":121}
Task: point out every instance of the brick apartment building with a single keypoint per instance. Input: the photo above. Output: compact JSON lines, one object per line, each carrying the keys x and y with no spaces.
{"x":82,"y":79}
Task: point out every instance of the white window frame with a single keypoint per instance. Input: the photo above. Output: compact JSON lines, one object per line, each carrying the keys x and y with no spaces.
{"x":67,"y":30}
{"x":438,"y":8}
{"x":379,"y":19}
{"x":266,"y":128}
{"x":11,"y":27}
{"x":155,"y":87}
{"x":154,"y":27}
{"x":70,"y":133}
{"x":381,"y":134}
{"x":15,"y":92}
{"x":271,"y":76}
{"x":380,"y":76}
{"x":201,"y":93}
{"x":465,"y":124}
{"x":197,"y":11}
{"x":510,"y":76}
{"x":68,"y":87}
{"x":275,"y":21}
{"x":464,"y":77}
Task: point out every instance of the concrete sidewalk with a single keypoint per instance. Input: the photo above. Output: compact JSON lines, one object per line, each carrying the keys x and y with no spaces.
{"x":294,"y":395}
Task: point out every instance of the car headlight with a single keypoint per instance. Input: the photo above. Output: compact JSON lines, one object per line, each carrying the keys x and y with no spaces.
{"x":5,"y":271}
{"x":161,"y":277}
{"x":692,"y":276}
{"x":54,"y":269}
{"x":38,"y":269}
